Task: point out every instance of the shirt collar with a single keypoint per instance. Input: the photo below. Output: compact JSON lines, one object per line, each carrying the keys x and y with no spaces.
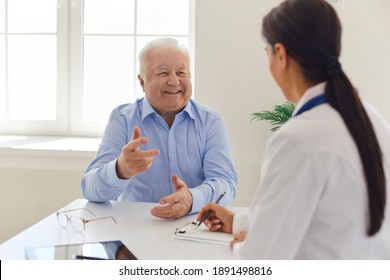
{"x":147,"y":109}
{"x":310,"y":93}
{"x":189,"y":109}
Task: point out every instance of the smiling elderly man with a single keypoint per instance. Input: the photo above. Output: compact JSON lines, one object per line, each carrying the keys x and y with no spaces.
{"x":165,"y":147}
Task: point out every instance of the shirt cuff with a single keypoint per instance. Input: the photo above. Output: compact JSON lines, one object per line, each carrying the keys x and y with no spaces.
{"x":197,"y":200}
{"x":112,"y":177}
{"x":240,"y":222}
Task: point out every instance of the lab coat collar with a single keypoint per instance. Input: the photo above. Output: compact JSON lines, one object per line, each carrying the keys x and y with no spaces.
{"x":310,"y":93}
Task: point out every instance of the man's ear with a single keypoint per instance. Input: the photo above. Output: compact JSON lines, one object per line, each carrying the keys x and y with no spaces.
{"x":281,"y":55}
{"x":141,"y":81}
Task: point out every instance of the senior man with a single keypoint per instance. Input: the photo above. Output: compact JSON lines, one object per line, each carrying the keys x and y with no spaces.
{"x":165,"y":147}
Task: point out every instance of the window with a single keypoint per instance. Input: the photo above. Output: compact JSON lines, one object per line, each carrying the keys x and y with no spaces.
{"x":65,"y":64}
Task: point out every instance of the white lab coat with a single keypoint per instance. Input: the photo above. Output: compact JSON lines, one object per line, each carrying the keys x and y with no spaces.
{"x":312,"y":200}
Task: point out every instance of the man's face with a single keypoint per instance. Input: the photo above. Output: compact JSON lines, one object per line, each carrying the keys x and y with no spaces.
{"x":166,"y":81}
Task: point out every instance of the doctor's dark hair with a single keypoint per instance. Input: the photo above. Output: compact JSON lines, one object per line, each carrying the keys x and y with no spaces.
{"x":311,"y":33}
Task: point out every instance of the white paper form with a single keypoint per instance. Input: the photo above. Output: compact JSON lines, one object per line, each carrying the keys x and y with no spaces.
{"x":189,"y":232}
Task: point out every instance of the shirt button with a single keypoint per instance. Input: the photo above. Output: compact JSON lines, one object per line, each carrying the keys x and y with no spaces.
{"x":172,"y":155}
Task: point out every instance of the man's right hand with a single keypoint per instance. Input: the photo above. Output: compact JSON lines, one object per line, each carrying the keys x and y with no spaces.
{"x":132,"y":160}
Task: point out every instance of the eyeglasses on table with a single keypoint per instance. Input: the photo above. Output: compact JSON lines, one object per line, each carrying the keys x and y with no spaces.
{"x":76,"y":222}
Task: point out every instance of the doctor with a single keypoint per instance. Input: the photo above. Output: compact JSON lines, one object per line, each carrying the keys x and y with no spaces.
{"x":325,"y":180}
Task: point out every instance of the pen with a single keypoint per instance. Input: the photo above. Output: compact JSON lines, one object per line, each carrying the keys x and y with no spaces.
{"x":209,"y":212}
{"x":80,"y":257}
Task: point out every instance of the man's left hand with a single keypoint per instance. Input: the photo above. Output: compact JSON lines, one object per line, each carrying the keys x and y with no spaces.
{"x":179,"y":203}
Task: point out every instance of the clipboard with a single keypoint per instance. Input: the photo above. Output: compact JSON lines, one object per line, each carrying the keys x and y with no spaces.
{"x":189,"y":232}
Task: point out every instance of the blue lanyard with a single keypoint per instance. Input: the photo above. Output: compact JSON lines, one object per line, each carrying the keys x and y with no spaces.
{"x":318,"y":100}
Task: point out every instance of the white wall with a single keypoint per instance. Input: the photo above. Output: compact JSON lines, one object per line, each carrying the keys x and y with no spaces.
{"x":366,"y":45}
{"x":232,"y":77}
{"x":29,"y":195}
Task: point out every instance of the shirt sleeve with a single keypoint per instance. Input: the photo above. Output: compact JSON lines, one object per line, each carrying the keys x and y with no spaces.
{"x":100,"y":182}
{"x":284,"y":204}
{"x":240,"y":222}
{"x":218,"y":169}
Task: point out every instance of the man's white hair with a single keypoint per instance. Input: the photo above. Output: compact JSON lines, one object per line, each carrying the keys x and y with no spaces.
{"x":160,"y":43}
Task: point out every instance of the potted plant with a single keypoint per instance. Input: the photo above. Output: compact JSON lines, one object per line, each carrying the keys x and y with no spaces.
{"x":278,"y":116}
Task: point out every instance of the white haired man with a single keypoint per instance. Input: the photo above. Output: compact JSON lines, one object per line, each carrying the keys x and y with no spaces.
{"x":165,"y":147}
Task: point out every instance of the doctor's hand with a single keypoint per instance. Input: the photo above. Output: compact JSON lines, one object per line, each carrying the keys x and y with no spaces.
{"x":220,"y":218}
{"x":238,"y":237}
{"x":132,"y":160}
{"x":179,"y":203}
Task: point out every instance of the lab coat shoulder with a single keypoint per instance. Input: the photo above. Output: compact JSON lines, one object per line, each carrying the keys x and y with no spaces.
{"x":293,"y":180}
{"x":287,"y":196}
{"x":382,"y":129}
{"x":311,"y":173}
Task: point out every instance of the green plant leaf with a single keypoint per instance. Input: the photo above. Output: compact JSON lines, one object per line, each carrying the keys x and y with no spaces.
{"x":281,"y":114}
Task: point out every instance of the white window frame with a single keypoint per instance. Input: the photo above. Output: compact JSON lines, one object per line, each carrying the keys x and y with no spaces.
{"x":69,"y":105}
{"x":52,"y":127}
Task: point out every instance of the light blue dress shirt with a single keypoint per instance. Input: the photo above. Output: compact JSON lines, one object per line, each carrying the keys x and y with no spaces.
{"x":195,"y":148}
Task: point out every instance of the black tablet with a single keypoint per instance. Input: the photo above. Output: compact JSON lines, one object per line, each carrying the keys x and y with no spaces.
{"x":107,"y":250}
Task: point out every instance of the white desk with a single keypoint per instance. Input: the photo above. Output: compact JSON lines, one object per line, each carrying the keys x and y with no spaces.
{"x":146,"y":236}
